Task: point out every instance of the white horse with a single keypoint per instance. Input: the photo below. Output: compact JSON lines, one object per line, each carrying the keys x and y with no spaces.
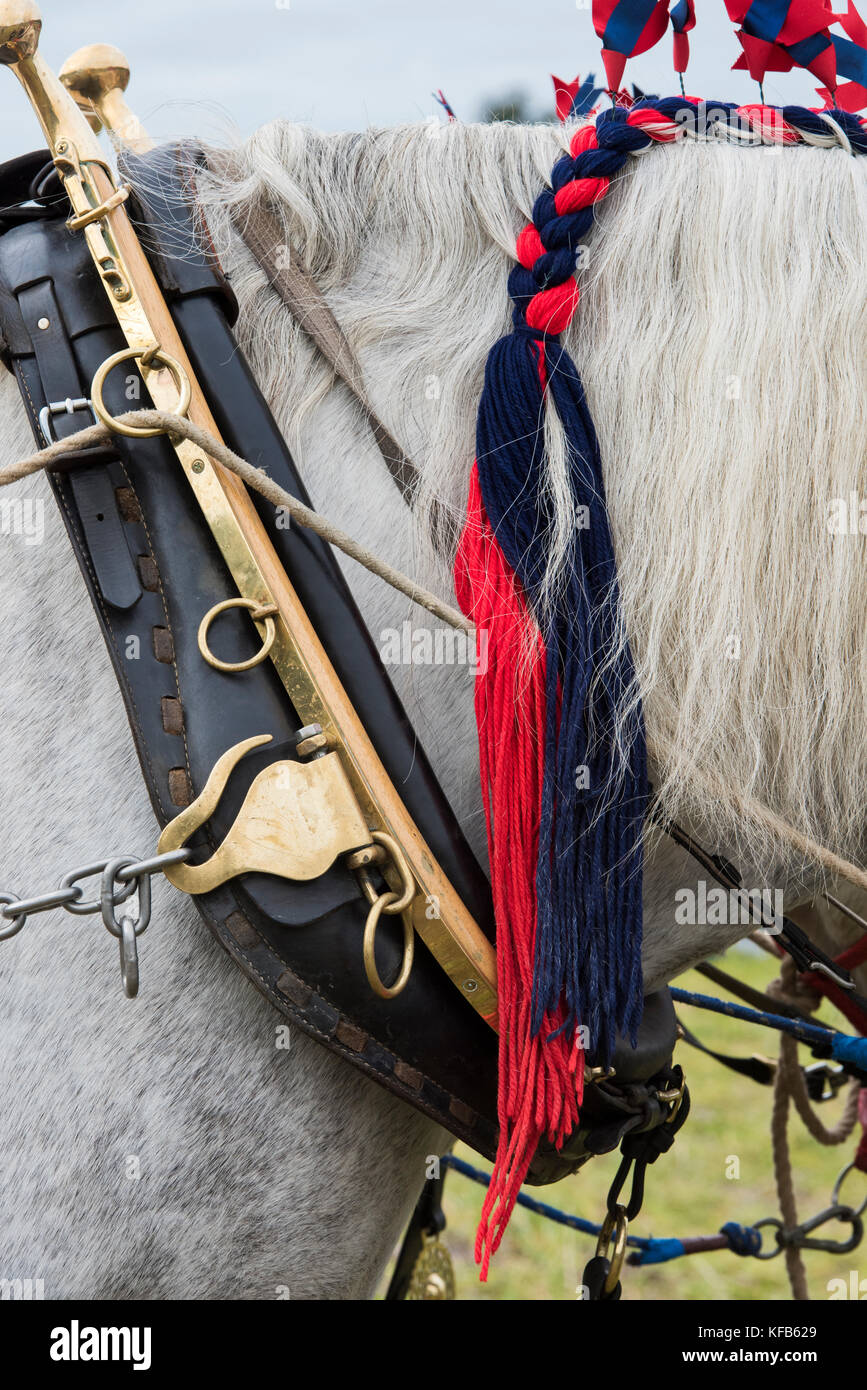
{"x":167,"y":1148}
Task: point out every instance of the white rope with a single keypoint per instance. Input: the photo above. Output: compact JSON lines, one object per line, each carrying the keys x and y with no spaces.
{"x":840,"y":136}
{"x":178,"y":427}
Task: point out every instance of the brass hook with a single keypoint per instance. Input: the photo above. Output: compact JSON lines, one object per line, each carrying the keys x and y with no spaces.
{"x":296,"y":819}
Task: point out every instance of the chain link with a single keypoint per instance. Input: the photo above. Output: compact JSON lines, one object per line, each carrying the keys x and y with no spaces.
{"x":120,"y":877}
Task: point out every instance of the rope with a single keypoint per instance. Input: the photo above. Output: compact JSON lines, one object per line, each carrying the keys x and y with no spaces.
{"x":842,"y":1047}
{"x":175,"y":426}
{"x":263,"y":235}
{"x":789,"y":1086}
{"x":784,"y":1178}
{"x":652,"y":1250}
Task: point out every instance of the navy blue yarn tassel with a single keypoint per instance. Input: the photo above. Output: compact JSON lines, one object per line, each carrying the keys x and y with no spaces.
{"x":588,"y":937}
{"x":589,"y":872}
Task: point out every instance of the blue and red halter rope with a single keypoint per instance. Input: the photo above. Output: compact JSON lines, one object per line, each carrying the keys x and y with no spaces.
{"x":564,"y":800}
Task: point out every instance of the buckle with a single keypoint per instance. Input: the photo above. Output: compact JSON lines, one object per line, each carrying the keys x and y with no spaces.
{"x":67,"y":407}
{"x":824,"y":1081}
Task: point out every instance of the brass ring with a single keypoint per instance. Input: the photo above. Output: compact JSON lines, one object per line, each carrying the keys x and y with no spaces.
{"x":148,"y":357}
{"x":677,"y":1099}
{"x":381,"y":905}
{"x":260,"y":612}
{"x":616,"y":1218}
{"x":398,"y":859}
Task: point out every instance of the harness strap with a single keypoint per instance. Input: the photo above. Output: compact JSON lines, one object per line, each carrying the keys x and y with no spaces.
{"x":428,"y":1219}
{"x":266,"y":240}
{"x":92,"y":487}
{"x":758,"y":1069}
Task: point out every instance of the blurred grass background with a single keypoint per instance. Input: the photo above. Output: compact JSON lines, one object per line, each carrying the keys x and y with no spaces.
{"x":687,"y":1191}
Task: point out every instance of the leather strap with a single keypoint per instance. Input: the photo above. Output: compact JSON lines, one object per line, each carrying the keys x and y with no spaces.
{"x":91,"y":485}
{"x":428,"y":1219}
{"x":759,"y":1069}
{"x":264,"y":237}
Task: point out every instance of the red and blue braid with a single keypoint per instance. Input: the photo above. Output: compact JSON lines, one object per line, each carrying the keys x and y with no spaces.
{"x":564,"y":800}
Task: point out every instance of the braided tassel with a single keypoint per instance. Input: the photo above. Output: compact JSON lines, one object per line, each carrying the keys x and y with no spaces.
{"x":536,"y":1093}
{"x":564,"y":805}
{"x":564,"y":811}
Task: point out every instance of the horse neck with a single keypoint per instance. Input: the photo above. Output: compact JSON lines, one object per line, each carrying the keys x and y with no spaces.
{"x":722,"y":294}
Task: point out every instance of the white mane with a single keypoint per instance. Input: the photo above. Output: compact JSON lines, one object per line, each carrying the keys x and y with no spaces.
{"x":720,"y":339}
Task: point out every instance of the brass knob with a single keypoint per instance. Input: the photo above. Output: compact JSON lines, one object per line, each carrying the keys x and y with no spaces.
{"x":20,"y":25}
{"x":94,"y":71}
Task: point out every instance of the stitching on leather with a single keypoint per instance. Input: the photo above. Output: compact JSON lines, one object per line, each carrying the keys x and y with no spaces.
{"x":85,"y":554}
{"x":331,"y":1038}
{"x":162,"y":593}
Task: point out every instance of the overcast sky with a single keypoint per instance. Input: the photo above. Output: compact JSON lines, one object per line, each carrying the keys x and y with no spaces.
{"x":206,"y":67}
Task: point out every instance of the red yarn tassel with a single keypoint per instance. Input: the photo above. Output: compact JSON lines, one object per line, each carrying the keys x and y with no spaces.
{"x":540,"y":1081}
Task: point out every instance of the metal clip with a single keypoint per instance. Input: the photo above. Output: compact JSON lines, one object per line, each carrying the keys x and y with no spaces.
{"x":799,"y":1236}
{"x":841,"y":1178}
{"x":824,"y":1081}
{"x":391,"y":904}
{"x":95,"y":214}
{"x":616,"y":1225}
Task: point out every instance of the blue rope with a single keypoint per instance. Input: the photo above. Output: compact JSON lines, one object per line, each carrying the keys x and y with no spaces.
{"x":743,"y":1240}
{"x":842,"y":1048}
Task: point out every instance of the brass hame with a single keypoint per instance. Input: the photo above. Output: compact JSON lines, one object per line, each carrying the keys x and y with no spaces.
{"x":97,"y":79}
{"x":295,"y":821}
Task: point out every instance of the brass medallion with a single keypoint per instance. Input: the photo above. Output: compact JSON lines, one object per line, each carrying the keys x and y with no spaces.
{"x":433,"y":1276}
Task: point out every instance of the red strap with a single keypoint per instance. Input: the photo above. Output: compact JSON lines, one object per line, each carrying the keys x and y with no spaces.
{"x":860,"y":1159}
{"x":853,"y":956}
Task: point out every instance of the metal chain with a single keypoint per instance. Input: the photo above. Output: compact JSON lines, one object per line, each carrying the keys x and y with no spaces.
{"x":120,"y":877}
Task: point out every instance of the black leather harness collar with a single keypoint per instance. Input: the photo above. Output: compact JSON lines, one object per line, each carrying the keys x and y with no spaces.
{"x":151,"y":570}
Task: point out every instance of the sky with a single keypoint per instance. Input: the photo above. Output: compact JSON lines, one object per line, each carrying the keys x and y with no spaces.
{"x":220,"y":68}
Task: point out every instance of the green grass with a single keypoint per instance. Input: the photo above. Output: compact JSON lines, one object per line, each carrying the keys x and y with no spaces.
{"x":688,"y":1191}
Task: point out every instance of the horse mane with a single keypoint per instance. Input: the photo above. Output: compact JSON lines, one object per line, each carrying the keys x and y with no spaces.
{"x":720,"y":341}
